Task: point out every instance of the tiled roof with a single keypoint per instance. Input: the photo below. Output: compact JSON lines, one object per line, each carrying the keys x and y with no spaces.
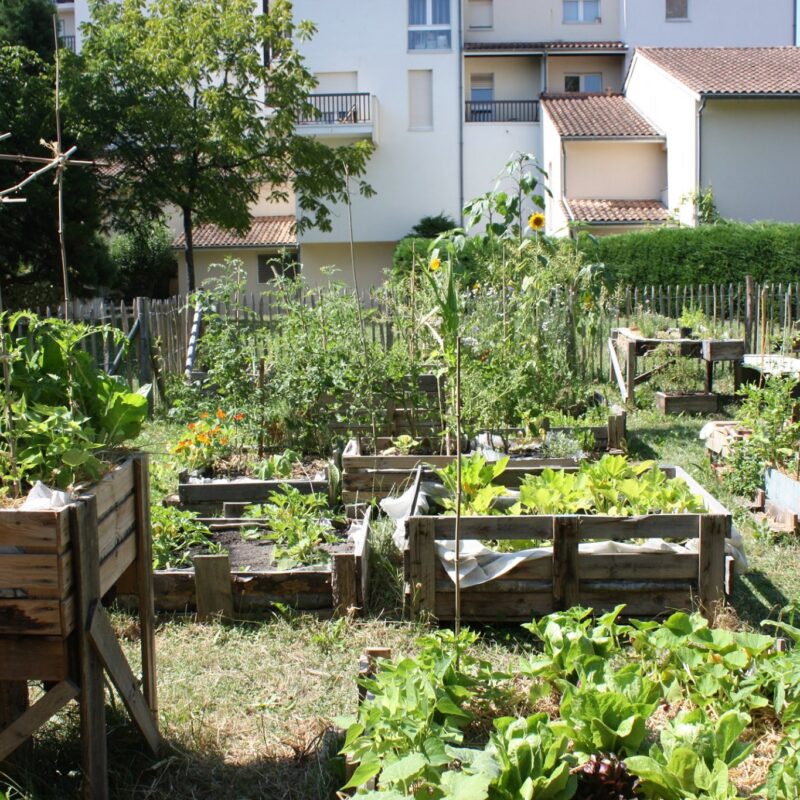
{"x":605,"y":211}
{"x":620,"y":47}
{"x":731,"y":70}
{"x":263,"y":232}
{"x":591,"y":115}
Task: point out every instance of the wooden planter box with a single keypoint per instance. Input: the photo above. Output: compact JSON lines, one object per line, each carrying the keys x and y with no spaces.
{"x":207,"y":497}
{"x":695,"y":403}
{"x":329,"y":589}
{"x":366,"y":477}
{"x":723,"y":349}
{"x":38,"y":590}
{"x":782,"y":498}
{"x":649,"y":584}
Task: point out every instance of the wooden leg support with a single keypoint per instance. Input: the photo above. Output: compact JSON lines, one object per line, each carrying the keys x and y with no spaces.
{"x":19,"y":731}
{"x":105,"y":642}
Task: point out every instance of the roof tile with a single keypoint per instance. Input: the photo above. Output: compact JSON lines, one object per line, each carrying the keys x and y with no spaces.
{"x":632,"y":211}
{"x":731,"y":70}
{"x":592,"y":115}
{"x":263,"y":232}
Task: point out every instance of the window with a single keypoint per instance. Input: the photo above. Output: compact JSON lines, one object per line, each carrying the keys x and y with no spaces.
{"x":420,"y":99}
{"x":429,"y":25}
{"x":480,"y":14}
{"x":677,"y":9}
{"x":581,"y":10}
{"x":282,"y":265}
{"x":481,"y":88}
{"x":591,"y":82}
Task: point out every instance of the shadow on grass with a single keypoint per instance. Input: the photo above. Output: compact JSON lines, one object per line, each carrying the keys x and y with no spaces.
{"x":755,"y":597}
{"x":50,"y":770}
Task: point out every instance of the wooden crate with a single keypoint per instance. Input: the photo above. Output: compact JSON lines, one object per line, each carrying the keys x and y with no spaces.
{"x":649,"y":584}
{"x":366,"y":477}
{"x":37,"y":588}
{"x":694,"y":403}
{"x":207,"y":497}
{"x":334,"y":587}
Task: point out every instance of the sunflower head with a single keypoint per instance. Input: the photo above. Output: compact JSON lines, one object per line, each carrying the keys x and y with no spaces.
{"x":436,"y":263}
{"x":536,"y":221}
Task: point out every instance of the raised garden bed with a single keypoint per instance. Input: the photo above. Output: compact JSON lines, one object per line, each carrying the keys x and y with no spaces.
{"x":627,"y":345}
{"x":782,"y":498}
{"x":207,"y":495}
{"x":37,"y":562}
{"x":650,"y":584}
{"x":366,"y":475}
{"x":256,"y":587}
{"x":693,"y":403}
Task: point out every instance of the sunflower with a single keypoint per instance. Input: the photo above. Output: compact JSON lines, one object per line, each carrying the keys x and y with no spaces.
{"x":436,"y":263}
{"x":536,"y":221}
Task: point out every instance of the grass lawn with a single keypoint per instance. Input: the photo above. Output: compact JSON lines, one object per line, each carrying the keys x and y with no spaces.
{"x":245,"y":708}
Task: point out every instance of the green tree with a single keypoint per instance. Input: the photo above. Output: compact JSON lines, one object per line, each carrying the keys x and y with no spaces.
{"x":28,"y":23}
{"x":30,"y":266}
{"x":143,"y":261}
{"x":181,"y":93}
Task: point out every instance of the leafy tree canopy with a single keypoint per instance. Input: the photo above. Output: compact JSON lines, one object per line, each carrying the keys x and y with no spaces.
{"x":29,"y":249}
{"x":182,"y":95}
{"x":28,"y":23}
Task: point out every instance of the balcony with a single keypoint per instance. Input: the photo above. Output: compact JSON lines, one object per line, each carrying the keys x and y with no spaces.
{"x":68,"y":42}
{"x":347,"y":115}
{"x":501,"y":111}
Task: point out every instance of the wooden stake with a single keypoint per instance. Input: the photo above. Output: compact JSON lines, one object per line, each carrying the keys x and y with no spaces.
{"x":212,"y":579}
{"x":458,"y":491}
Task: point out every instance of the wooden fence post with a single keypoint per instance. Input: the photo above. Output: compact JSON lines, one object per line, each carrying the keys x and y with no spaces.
{"x":565,"y":562}
{"x":422,"y":565}
{"x":711,"y":563}
{"x":748,"y":314}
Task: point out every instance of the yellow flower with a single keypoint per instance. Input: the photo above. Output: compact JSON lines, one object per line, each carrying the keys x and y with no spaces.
{"x":476,"y":287}
{"x":436,"y":263}
{"x":536,"y":221}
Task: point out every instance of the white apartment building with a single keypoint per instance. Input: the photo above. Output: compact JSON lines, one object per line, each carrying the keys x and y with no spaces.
{"x":447,"y":90}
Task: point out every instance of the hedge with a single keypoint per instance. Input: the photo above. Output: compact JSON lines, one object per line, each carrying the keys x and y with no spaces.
{"x":722,"y":253}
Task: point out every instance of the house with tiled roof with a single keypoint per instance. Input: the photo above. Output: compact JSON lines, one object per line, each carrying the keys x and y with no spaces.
{"x":731,"y":118}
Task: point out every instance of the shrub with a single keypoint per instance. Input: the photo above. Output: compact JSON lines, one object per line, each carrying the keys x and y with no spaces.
{"x":431,"y":227}
{"x":144,"y":261}
{"x":721,"y":253}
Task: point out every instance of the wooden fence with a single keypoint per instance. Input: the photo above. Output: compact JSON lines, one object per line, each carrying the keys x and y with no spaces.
{"x":163,"y":334}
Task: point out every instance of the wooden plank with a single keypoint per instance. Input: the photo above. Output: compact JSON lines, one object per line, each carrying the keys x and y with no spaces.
{"x":696,"y":403}
{"x":35,"y":658}
{"x":34,"y":576}
{"x":709,"y":501}
{"x":83,"y":526}
{"x":617,"y":369}
{"x":713,"y":529}
{"x":117,"y":562}
{"x":105,"y":642}
{"x":637,"y":566}
{"x":345,"y":592}
{"x":112,"y":488}
{"x":213,"y":587}
{"x":500,"y":527}
{"x":666,"y":526}
{"x":498,"y":607}
{"x":34,"y":717}
{"x":248,"y":491}
{"x":565,"y":562}
{"x":36,"y":617}
{"x":34,"y":531}
{"x":421,"y":535}
{"x":14,"y":703}
{"x":640,"y":604}
{"x":143,"y":568}
{"x":116,"y":526}
{"x":723,"y":349}
{"x":361,"y":553}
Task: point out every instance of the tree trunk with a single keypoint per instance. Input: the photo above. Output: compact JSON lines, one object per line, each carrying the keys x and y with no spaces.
{"x":188,"y":232}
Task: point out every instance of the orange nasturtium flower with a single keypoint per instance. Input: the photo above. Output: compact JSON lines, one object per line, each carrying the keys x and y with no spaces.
{"x":536,"y":221}
{"x":204,"y":415}
{"x":238,"y":417}
{"x":436,"y":263}
{"x":220,"y":414}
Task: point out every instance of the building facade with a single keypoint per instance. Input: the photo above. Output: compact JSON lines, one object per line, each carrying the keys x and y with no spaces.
{"x":448,"y":90}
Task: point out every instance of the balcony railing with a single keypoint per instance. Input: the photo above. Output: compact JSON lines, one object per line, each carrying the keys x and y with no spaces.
{"x":338,"y":109}
{"x":68,"y":42}
{"x":502,"y":111}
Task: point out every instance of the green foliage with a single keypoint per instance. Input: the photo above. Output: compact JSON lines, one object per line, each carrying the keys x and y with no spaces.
{"x":30,"y":258}
{"x":783,"y":780}
{"x":178,"y":536}
{"x":176,"y":90}
{"x":430,"y":227}
{"x":278,"y":465}
{"x":143,"y":261}
{"x":297,"y":523}
{"x":29,"y":24}
{"x":721,"y":253}
{"x":63,"y":408}
{"x":477,"y":490}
